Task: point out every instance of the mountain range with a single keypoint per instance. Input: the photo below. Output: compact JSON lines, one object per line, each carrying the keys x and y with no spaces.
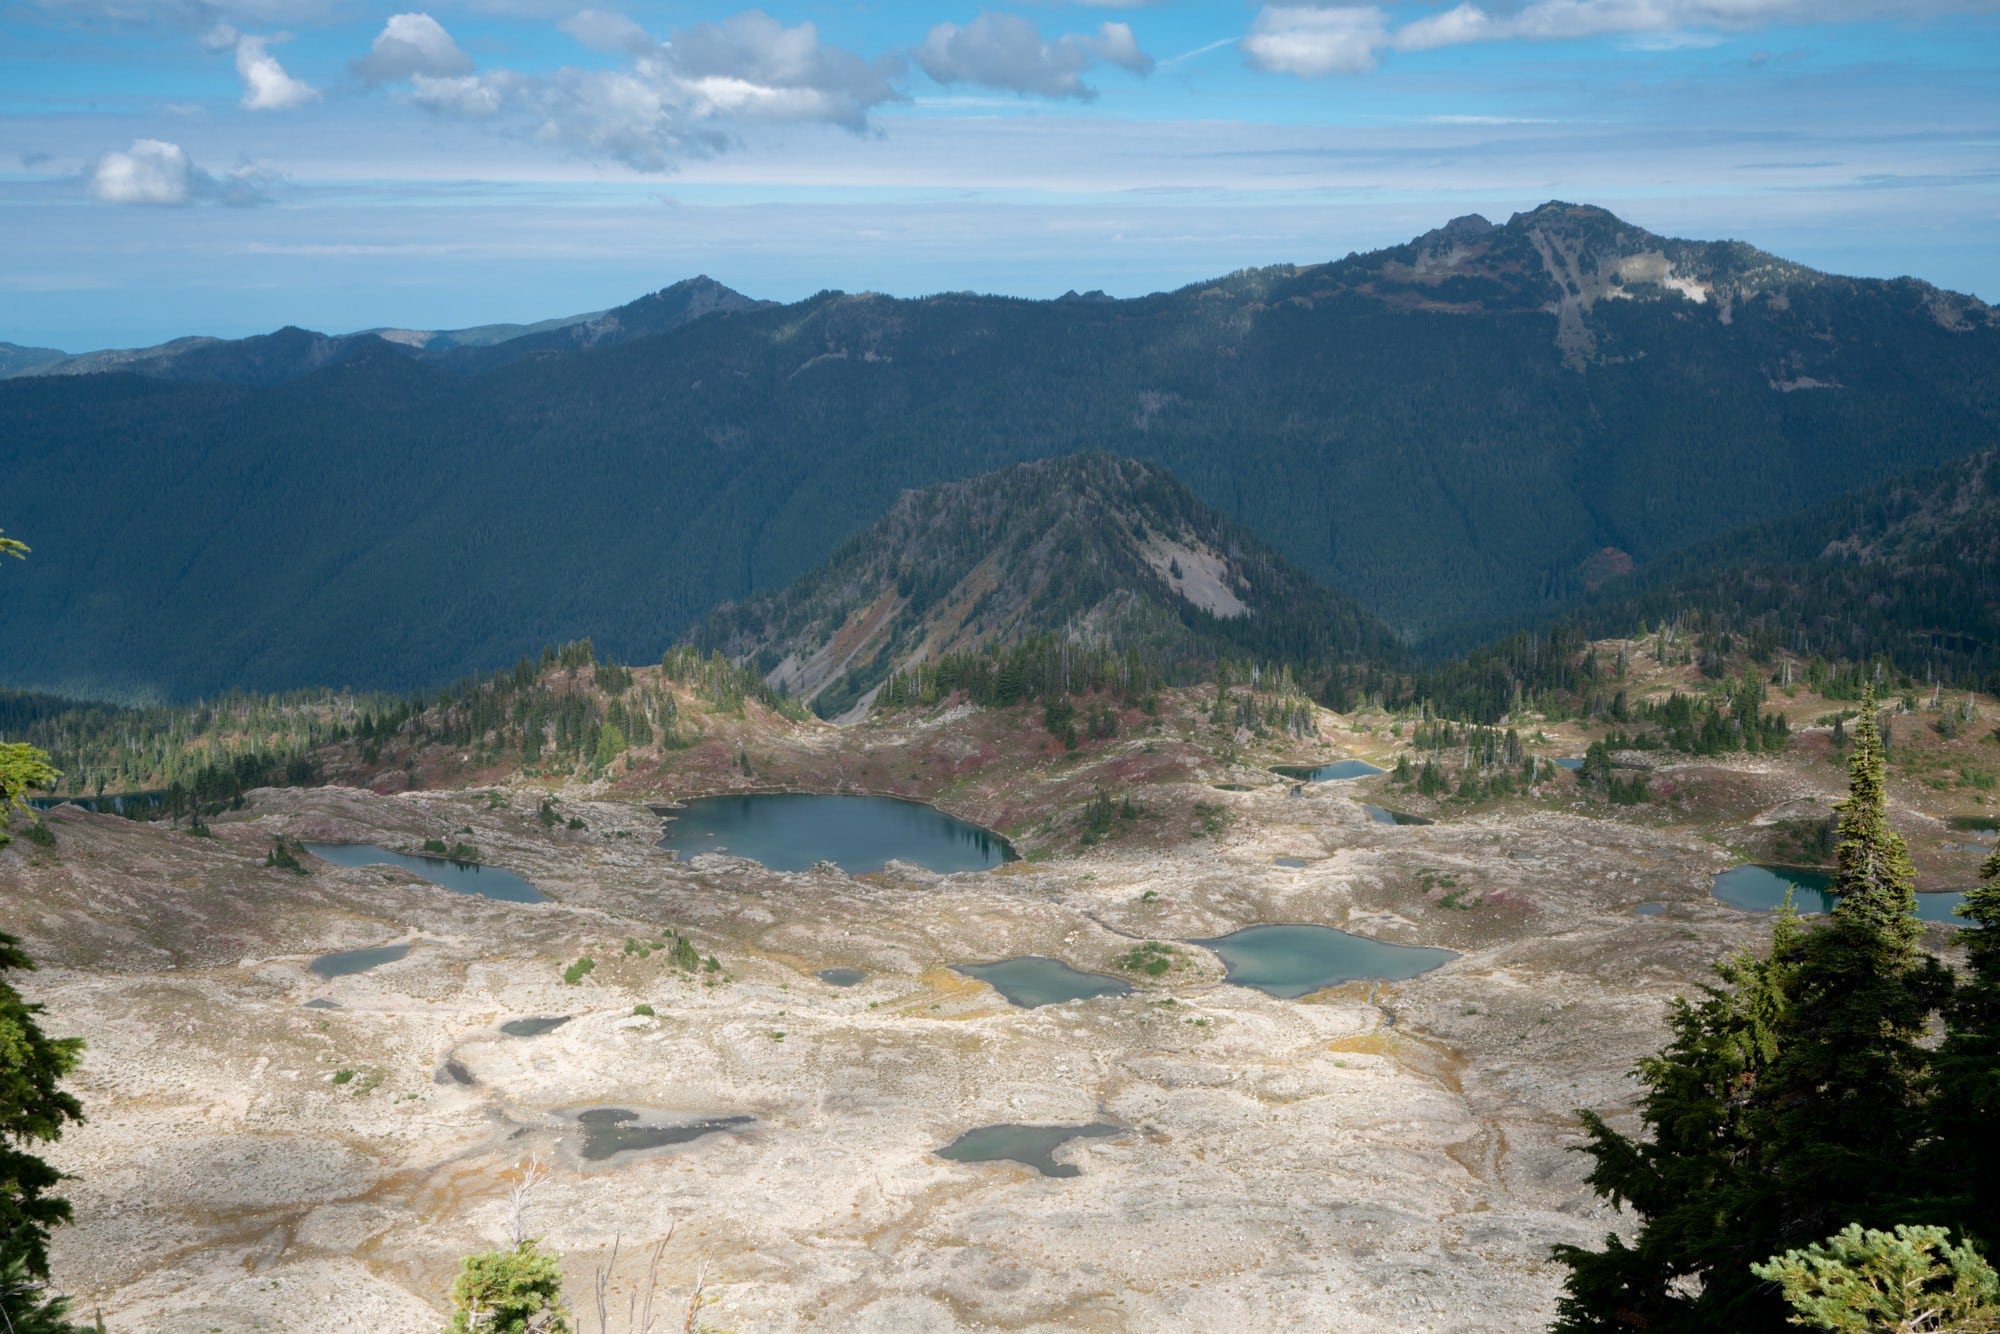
{"x":1469,"y":430}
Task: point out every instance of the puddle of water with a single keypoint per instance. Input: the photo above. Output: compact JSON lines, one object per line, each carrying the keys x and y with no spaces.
{"x":1290,"y":960}
{"x":1032,"y":981}
{"x":1976,"y":824}
{"x":1324,"y":773}
{"x":1763,"y":888}
{"x":842,"y":977}
{"x":1526,"y":857}
{"x":793,"y":830}
{"x":322,"y":1004}
{"x":1383,"y":815}
{"x":1567,"y":763}
{"x":1232,"y":787}
{"x":608,"y":1131}
{"x":535,"y":1027}
{"x":1967,"y":847}
{"x":488,"y":882}
{"x":344,"y":963}
{"x":453,"y":1072}
{"x":1032,"y":1145}
{"x":1291,"y":863}
{"x":1650,"y":909}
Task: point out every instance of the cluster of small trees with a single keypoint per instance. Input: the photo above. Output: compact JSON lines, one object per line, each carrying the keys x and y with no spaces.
{"x":1812,"y":1146}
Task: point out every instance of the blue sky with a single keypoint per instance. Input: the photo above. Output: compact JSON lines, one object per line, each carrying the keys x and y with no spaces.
{"x":229,"y":166}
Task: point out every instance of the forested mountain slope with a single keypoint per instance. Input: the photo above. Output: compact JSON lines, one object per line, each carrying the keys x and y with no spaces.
{"x":1448,"y":430}
{"x":1108,"y":549}
{"x":1907,"y":569}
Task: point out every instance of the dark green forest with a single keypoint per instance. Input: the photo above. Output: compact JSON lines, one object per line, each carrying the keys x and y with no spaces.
{"x":1426,"y":445}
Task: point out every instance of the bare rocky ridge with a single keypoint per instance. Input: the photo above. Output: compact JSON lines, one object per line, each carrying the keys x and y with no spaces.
{"x":1108,"y":550}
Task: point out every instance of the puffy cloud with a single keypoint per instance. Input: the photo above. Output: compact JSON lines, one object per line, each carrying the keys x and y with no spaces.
{"x":468,"y":95}
{"x":1008,"y":52}
{"x":410,"y":45}
{"x":1310,"y":41}
{"x":609,"y":32}
{"x":676,"y":98}
{"x":266,"y":85}
{"x":155,"y":172}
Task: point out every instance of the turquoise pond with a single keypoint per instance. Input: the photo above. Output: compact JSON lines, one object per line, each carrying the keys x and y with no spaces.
{"x":1032,"y":981}
{"x":1324,"y":773}
{"x":1033,"y":1145}
{"x":1293,"y":960}
{"x":791,"y":831}
{"x":1763,"y":888}
{"x":487,"y":882}
{"x":345,"y":963}
{"x":609,"y":1131}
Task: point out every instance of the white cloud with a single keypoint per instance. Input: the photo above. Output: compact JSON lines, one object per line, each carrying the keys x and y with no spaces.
{"x":1309,"y":41}
{"x":469,"y":95}
{"x":673,"y":99}
{"x":409,"y":45}
{"x":155,"y":172}
{"x":1008,"y":52}
{"x":266,"y":85}
{"x":152,"y":171}
{"x":608,"y":32}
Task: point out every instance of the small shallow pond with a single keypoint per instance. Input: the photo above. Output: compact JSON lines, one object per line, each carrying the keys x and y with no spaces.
{"x":488,"y":882}
{"x":1763,"y":888}
{"x":1323,"y":773}
{"x":1032,"y":981}
{"x":344,"y":963}
{"x":842,"y":977}
{"x":609,"y":1131}
{"x":1562,"y":763}
{"x":790,"y":831}
{"x":535,"y":1027}
{"x":1651,"y":909}
{"x":1976,"y":824}
{"x":1290,"y":960}
{"x":1033,"y":1145}
{"x":1291,"y":863}
{"x":1383,"y":815}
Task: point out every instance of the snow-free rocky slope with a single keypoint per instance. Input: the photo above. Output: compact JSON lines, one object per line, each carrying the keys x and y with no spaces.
{"x":1109,"y":550}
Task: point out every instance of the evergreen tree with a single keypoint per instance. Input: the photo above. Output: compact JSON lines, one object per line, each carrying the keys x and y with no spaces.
{"x":1787,"y":1105}
{"x":1845,"y":1113}
{"x":33,"y":1110}
{"x":1968,"y":1071}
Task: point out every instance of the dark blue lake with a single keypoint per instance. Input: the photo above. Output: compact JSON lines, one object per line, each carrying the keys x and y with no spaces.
{"x":792,"y":830}
{"x":1290,"y":960}
{"x":1763,"y":888}
{"x":488,"y":882}
{"x":1322,"y":773}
